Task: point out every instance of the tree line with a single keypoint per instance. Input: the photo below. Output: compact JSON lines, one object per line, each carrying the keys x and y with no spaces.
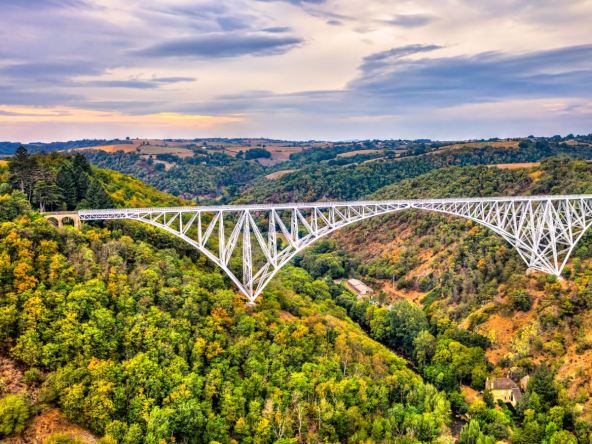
{"x":54,"y":182}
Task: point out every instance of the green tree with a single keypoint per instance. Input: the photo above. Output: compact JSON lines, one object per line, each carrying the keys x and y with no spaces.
{"x":563,"y":437}
{"x":81,"y":171}
{"x":14,"y":413}
{"x":471,"y":434}
{"x":13,"y":204}
{"x":21,"y":168}
{"x":521,"y":300}
{"x":97,"y":197}
{"x":66,"y":181}
{"x":406,"y":322}
{"x":425,"y":346}
{"x":46,"y":194}
{"x":543,"y":384}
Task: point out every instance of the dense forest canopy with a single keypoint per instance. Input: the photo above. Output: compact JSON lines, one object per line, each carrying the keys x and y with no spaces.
{"x":217,"y":171}
{"x":134,"y":336}
{"x":472,"y":278}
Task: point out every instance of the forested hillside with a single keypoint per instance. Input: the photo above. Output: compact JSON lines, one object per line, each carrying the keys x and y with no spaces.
{"x":130,"y":334}
{"x":354,"y":181}
{"x":136,"y":338}
{"x":217,"y":171}
{"x":208,"y":176}
{"x":445,"y":272}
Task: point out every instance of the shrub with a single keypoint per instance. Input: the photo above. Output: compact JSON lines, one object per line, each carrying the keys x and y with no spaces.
{"x":33,"y":376}
{"x":62,"y":438}
{"x":14,"y":413}
{"x":257,"y":153}
{"x":521,"y":300}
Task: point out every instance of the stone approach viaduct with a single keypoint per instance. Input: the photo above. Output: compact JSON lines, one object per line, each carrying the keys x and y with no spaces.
{"x":251,"y":243}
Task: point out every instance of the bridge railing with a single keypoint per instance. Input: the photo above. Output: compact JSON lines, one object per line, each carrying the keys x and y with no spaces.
{"x":282,"y":206}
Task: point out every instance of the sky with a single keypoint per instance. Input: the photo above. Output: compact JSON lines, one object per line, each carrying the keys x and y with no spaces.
{"x":294,"y":69}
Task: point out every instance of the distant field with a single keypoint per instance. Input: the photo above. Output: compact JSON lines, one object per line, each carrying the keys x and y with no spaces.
{"x":279,"y":153}
{"x":515,"y":166}
{"x":376,"y":159}
{"x":177,"y":151}
{"x":136,"y":147}
{"x":125,"y":147}
{"x":507,"y":144}
{"x":355,"y":153}
{"x":575,"y":142}
{"x":3,"y":163}
{"x":278,"y":174}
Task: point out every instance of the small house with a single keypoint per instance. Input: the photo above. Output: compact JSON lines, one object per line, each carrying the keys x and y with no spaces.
{"x":504,"y":389}
{"x":358,"y":287}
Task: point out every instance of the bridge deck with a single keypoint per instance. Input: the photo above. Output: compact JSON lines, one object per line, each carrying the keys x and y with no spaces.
{"x":305,"y":205}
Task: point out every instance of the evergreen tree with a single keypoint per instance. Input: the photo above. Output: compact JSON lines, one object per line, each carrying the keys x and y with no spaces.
{"x":81,"y":180}
{"x":67,"y":183}
{"x":80,"y":163}
{"x":14,"y":413}
{"x":46,"y":194}
{"x":21,"y":168}
{"x":81,"y":171}
{"x":471,"y":434}
{"x":97,"y":197}
{"x":543,"y":384}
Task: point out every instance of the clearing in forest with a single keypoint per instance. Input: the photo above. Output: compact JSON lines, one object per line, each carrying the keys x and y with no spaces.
{"x":355,"y":153}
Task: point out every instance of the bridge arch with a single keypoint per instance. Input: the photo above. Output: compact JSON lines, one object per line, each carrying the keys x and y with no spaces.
{"x":58,"y":218}
{"x":263,"y":238}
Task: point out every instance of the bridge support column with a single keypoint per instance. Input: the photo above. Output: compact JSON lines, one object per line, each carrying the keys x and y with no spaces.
{"x":59,"y":218}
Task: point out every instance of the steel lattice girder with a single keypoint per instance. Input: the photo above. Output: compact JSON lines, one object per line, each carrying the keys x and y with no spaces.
{"x":251,"y":243}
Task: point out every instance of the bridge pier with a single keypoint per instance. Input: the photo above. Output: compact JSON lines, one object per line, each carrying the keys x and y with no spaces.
{"x":58,"y":218}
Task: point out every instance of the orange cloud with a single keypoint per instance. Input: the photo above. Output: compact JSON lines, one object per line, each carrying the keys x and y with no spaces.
{"x":26,"y":114}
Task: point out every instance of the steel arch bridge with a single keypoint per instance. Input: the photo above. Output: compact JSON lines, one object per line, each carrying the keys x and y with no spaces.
{"x":251,"y":243}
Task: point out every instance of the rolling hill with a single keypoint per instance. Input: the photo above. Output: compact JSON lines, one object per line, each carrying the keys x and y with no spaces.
{"x":126,"y":332}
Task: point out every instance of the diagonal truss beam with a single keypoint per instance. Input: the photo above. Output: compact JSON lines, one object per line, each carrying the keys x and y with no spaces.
{"x":251,"y":243}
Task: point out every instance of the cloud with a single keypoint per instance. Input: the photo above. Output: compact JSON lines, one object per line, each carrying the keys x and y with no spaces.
{"x":395,"y":81}
{"x":131,"y":56}
{"x":44,"y":4}
{"x":133,"y":84}
{"x":298,"y":2}
{"x":156,"y":82}
{"x":410,"y":20}
{"x":277,"y":29}
{"x":397,"y":53}
{"x":22,"y":95}
{"x":49,"y":71}
{"x":218,"y":45}
{"x":178,"y":79}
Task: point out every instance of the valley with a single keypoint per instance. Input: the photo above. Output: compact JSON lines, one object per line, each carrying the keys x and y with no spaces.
{"x":127,"y":332}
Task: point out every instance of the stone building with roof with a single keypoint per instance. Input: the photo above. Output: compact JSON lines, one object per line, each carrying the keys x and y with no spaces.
{"x":504,"y":389}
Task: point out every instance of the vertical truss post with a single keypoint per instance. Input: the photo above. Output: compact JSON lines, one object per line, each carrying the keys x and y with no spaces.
{"x":248,"y":261}
{"x":543,"y":229}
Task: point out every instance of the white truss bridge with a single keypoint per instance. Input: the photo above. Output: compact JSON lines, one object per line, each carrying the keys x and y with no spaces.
{"x":251,"y":243}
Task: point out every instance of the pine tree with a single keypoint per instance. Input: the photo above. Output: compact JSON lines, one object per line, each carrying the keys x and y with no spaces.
{"x":81,"y":163}
{"x":81,"y":172}
{"x":46,"y":194}
{"x":82,"y":180}
{"x":67,"y":183}
{"x":97,"y":197}
{"x":21,"y":167}
{"x":542,"y":383}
